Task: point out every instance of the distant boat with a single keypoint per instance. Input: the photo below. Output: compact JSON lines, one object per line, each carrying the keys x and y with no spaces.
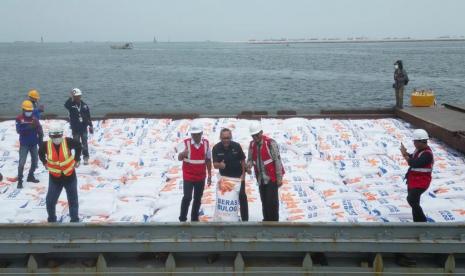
{"x":155,"y":39}
{"x":126,"y":46}
{"x":41,"y":39}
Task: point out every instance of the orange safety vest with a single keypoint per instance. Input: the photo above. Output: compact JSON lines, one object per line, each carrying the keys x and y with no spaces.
{"x":265,"y":155}
{"x":61,"y":162}
{"x":194,"y":167}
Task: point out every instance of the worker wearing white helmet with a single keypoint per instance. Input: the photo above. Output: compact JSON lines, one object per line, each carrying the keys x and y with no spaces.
{"x":419,"y":173}
{"x":264,"y":157}
{"x":196,"y":166}
{"x":57,"y":157}
{"x":80,"y":120}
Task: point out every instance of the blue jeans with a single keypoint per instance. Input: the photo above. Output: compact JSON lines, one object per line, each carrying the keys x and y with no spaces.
{"x":54,"y":190}
{"x":82,"y":138}
{"x":23,"y":151}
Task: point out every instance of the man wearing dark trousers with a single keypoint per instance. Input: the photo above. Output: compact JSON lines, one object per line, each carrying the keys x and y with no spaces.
{"x":229,"y":158}
{"x":419,"y":172}
{"x":400,"y":81}
{"x":264,"y":156}
{"x":196,"y":165}
{"x":79,"y":120}
{"x":56,"y":156}
{"x":418,"y":180}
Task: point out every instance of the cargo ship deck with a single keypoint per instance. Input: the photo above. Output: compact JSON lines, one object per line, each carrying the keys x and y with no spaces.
{"x":252,"y":247}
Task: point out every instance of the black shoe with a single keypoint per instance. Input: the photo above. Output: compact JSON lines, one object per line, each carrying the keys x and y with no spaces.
{"x":32,"y":179}
{"x":20,"y":184}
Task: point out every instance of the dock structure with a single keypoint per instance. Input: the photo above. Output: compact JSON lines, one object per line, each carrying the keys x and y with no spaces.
{"x":446,"y":123}
{"x":232,"y":248}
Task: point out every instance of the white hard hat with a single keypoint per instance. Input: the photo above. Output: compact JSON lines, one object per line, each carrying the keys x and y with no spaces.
{"x":255,"y":128}
{"x":76,"y":92}
{"x":55,"y":129}
{"x":196,"y":128}
{"x":420,"y":134}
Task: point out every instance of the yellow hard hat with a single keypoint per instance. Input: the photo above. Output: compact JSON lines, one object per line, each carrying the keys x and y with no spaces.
{"x":34,"y":94}
{"x":27,"y":105}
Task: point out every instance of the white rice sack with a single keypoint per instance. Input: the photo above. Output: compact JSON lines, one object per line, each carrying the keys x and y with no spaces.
{"x":227,"y":199}
{"x":29,"y":215}
{"x":450,"y":191}
{"x":146,"y":186}
{"x":98,"y":202}
{"x":429,"y":203}
{"x":168,"y":214}
{"x":451,"y":215}
{"x":314,"y":215}
{"x":10,"y":208}
{"x":298,"y":177}
{"x":339,"y":193}
{"x":389,"y":210}
{"x":347,"y":207}
{"x":129,"y":215}
{"x":376,"y":194}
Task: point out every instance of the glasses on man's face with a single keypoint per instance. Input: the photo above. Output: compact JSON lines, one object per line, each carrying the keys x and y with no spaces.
{"x":255,"y":135}
{"x":226,"y":138}
{"x":56,"y":136}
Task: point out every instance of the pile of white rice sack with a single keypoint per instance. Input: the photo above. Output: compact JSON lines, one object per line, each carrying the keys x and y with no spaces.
{"x":336,"y":171}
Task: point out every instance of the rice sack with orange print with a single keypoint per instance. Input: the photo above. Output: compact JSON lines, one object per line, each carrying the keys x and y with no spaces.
{"x":227,"y":199}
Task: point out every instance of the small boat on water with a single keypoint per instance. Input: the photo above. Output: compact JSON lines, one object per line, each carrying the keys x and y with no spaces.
{"x":126,"y":46}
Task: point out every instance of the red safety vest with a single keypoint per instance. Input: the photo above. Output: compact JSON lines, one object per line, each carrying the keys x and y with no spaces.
{"x":194,"y":167}
{"x":61,"y":162}
{"x":420,"y":177}
{"x":265,"y":155}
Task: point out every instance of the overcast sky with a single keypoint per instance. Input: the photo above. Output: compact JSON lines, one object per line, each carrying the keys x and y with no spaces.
{"x":226,"y":20}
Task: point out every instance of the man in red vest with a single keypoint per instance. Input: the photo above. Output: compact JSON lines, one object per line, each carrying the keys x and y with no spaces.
{"x":196,"y":165}
{"x":56,"y":156}
{"x":264,"y":156}
{"x":419,"y":172}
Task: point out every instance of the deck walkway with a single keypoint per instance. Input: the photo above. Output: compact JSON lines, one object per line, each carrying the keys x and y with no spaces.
{"x":446,"y":123}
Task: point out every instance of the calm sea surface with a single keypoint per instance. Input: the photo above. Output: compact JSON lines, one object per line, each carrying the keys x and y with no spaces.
{"x":226,"y":78}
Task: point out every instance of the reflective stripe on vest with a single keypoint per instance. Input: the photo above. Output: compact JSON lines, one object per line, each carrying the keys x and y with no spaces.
{"x":269,"y":161}
{"x":426,"y":170}
{"x":61,"y":161}
{"x":188,"y":159}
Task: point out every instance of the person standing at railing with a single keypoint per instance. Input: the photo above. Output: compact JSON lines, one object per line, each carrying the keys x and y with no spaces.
{"x":419,"y":173}
{"x":400,"y":80}
{"x":196,"y":166}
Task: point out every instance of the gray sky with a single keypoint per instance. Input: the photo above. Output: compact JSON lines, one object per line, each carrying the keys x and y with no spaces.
{"x":226,"y":20}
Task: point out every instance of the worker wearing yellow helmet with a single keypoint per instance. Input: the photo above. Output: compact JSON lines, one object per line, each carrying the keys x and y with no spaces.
{"x":30,"y":132}
{"x":34,"y":97}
